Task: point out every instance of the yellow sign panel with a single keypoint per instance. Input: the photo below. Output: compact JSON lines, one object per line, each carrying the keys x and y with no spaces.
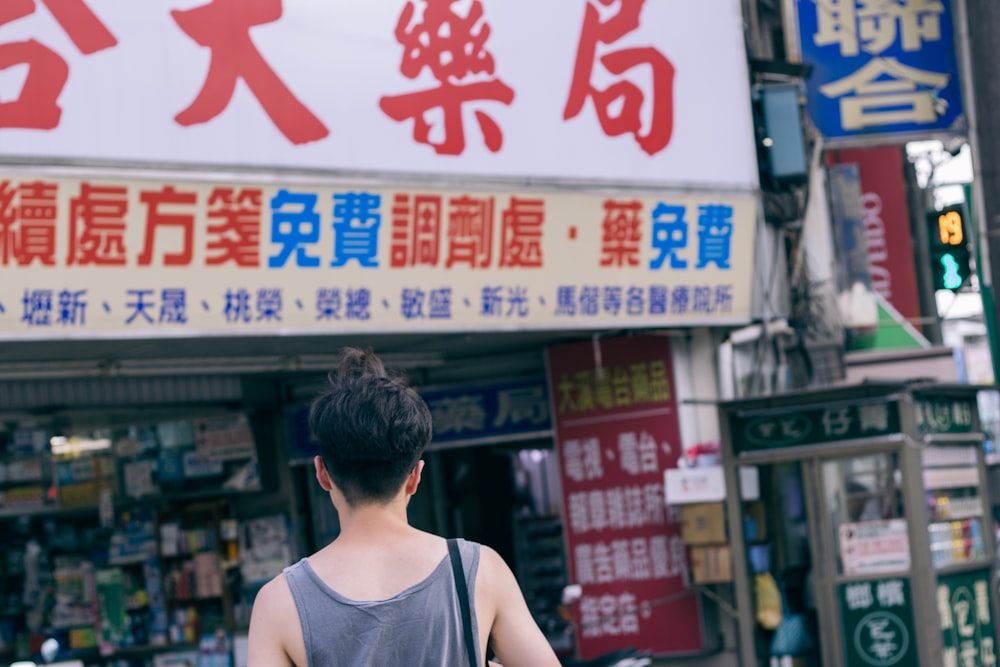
{"x":99,"y":257}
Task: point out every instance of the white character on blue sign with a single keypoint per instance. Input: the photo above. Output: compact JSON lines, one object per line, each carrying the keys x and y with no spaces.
{"x":875,"y":25}
{"x":886,"y":92}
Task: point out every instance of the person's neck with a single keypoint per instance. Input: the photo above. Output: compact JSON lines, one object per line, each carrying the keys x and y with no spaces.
{"x":373,"y":522}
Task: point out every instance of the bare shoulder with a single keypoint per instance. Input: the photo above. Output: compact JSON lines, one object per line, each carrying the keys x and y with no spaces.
{"x":275,"y":636}
{"x":517,"y":640}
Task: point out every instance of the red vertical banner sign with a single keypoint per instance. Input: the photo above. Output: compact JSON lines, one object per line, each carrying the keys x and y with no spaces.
{"x":617,"y":430}
{"x":885,"y":212}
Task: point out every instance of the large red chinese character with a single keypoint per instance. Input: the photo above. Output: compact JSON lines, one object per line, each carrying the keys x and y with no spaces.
{"x":623,"y":94}
{"x":8,"y":220}
{"x":453,"y":48}
{"x":521,"y":233}
{"x":36,"y":238}
{"x":224,"y":27}
{"x":470,"y":231}
{"x":416,"y":230}
{"x":621,"y":237}
{"x":155,"y":218}
{"x":36,"y":107}
{"x":236,"y":236}
{"x":97,"y":226}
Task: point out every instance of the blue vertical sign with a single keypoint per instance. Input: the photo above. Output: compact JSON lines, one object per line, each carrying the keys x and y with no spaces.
{"x":880,"y":68}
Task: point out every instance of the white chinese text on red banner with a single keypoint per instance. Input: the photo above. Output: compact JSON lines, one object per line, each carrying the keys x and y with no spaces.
{"x":617,"y":430}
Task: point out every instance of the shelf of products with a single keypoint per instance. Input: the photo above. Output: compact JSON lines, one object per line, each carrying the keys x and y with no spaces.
{"x":124,"y":544}
{"x":955,"y":505}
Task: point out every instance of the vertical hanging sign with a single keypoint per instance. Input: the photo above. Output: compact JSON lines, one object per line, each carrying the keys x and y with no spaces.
{"x":617,"y":430}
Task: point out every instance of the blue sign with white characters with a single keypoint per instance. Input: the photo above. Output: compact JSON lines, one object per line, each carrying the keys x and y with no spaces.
{"x":880,"y":67}
{"x":463,"y":415}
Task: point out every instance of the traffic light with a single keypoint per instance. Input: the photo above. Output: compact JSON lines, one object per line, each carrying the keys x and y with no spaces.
{"x":949,"y":245}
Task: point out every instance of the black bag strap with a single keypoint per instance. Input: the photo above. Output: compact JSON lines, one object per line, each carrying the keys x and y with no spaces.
{"x":463,"y":599}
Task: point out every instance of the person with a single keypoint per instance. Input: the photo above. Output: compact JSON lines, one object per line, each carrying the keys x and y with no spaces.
{"x":383,"y":592}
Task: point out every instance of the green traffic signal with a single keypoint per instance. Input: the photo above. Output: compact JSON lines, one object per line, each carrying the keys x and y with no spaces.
{"x":949,"y":248}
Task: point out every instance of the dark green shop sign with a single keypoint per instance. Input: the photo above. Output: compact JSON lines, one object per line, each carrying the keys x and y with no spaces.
{"x":963,"y":601}
{"x":946,"y":415}
{"x":810,"y":425}
{"x":877,"y":617}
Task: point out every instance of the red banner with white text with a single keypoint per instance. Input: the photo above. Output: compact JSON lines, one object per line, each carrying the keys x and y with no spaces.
{"x":617,"y":430}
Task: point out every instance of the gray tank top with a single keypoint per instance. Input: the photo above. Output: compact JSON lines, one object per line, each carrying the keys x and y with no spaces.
{"x":419,"y":627}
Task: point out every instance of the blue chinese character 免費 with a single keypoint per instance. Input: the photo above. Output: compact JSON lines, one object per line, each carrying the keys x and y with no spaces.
{"x":670,"y":234}
{"x":294,"y":225}
{"x":715,"y":232}
{"x":356,"y":221}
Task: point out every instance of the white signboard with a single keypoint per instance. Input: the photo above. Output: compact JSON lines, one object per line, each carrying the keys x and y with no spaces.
{"x":99,"y":257}
{"x":631,"y":91}
{"x":873,"y":547}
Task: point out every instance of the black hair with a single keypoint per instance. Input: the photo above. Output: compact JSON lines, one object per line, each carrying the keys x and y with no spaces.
{"x":372,"y":428}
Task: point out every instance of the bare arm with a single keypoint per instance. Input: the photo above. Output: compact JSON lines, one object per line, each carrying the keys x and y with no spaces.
{"x":273,"y":620}
{"x":517,"y":640}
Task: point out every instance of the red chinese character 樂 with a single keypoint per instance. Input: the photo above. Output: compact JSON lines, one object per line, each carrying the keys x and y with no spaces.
{"x":622,"y":92}
{"x":452,"y":47}
{"x":223,"y":26}
{"x":37,"y":106}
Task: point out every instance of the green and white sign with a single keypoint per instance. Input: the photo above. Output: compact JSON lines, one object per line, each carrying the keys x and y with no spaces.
{"x":963,"y":602}
{"x":814,"y":424}
{"x":877,"y":617}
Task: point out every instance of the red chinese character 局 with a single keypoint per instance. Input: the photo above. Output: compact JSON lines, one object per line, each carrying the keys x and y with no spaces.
{"x":156,"y":218}
{"x":452,"y":47}
{"x":97,"y":225}
{"x":622,"y":93}
{"x":521,"y":233}
{"x":621,"y":233}
{"x":470,"y":231}
{"x":236,"y":235}
{"x":223,"y":26}
{"x":37,"y":106}
{"x":416,"y":230}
